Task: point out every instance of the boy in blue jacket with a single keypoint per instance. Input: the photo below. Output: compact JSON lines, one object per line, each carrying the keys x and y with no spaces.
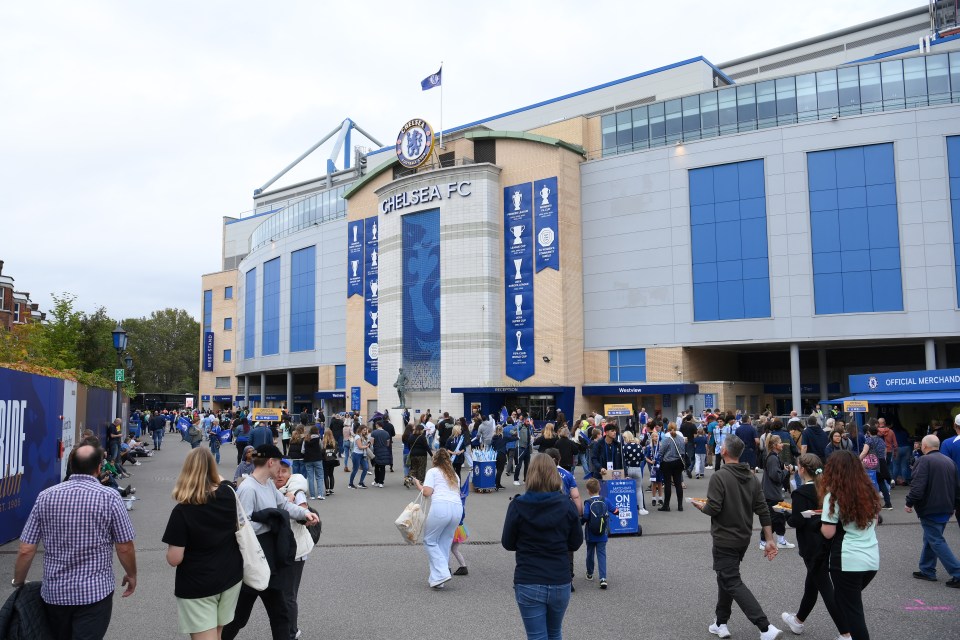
{"x":596,"y":523}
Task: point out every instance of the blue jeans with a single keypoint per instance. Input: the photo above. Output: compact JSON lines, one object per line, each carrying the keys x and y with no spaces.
{"x":901,"y":467}
{"x":314,"y":473}
{"x":157,"y":438}
{"x":216,"y":454}
{"x":542,"y":607}
{"x":438,"y":530}
{"x":359,"y":460}
{"x":299,"y":466}
{"x":934,"y":548}
{"x":600,"y":548}
{"x":881,"y":485}
{"x":347,"y":448}
{"x":406,"y":467}
{"x":584,"y":462}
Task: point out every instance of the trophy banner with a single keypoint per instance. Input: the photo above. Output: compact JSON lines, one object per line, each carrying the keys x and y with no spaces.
{"x":548,"y":227}
{"x":355,"y":258}
{"x":371,"y":296}
{"x":518,"y":206}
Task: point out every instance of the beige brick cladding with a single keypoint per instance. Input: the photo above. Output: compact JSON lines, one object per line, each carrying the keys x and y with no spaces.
{"x":222,"y":308}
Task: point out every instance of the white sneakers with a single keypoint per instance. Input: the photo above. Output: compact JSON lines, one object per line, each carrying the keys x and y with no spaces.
{"x":719,"y":630}
{"x":516,"y":483}
{"x":643,"y":512}
{"x":772,"y":633}
{"x":795,"y":625}
{"x":783,"y":544}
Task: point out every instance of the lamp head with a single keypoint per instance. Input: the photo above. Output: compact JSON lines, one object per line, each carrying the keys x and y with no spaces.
{"x":119,"y":338}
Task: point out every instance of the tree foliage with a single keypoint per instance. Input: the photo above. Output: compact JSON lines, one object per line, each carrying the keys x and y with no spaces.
{"x":166,"y":351}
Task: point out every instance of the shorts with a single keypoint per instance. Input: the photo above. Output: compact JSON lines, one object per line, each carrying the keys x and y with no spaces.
{"x":202,"y":614}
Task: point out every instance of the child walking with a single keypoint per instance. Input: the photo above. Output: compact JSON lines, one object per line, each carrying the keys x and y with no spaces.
{"x":652,"y":455}
{"x":460,"y":535}
{"x":596,"y":518}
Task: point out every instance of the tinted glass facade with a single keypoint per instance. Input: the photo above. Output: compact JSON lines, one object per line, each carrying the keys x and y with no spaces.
{"x":271,"y":308}
{"x":228,"y":355}
{"x":303,"y":302}
{"x":314,"y":209}
{"x":854,"y":230}
{"x":728,"y":228}
{"x":340,"y":376}
{"x":207,"y":310}
{"x":228,"y":293}
{"x":628,"y":365}
{"x":250,"y":314}
{"x":953,"y":155}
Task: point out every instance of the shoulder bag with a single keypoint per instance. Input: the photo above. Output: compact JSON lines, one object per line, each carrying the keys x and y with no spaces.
{"x":256,"y":570}
{"x":683,"y":454}
{"x":369,"y":451}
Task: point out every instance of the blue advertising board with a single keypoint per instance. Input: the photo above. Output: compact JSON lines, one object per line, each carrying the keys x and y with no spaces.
{"x":30,"y":430}
{"x":371,"y":346}
{"x":355,"y":258}
{"x":518,"y":273}
{"x":354,"y":398}
{"x":709,"y":401}
{"x":900,"y":381}
{"x":548,"y":227}
{"x":623,"y":494}
{"x":208,"y":350}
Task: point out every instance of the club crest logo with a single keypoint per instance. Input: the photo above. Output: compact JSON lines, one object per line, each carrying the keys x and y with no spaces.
{"x":415,"y":143}
{"x":488,"y":471}
{"x":872,"y":382}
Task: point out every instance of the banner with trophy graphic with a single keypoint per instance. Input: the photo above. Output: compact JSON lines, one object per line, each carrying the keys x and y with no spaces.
{"x":355,"y":258}
{"x":518,"y":275}
{"x":371,"y":314}
{"x":548,"y":228}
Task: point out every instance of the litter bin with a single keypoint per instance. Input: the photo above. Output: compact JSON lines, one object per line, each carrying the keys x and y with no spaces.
{"x":484,"y":475}
{"x":623,"y":494}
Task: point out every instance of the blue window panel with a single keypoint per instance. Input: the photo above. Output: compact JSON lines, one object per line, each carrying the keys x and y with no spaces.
{"x":881,"y":194}
{"x":850,"y":171}
{"x":822,"y":171}
{"x":727,"y":211}
{"x":703,"y":238}
{"x":753,"y":208}
{"x":631,"y":374}
{"x":751,"y":179}
{"x":302,"y":299}
{"x":953,"y":158}
{"x":701,"y":186}
{"x":887,"y":290}
{"x":340,"y":376}
{"x":727,"y":238}
{"x":270,"y":338}
{"x":730,"y":270}
{"x":705,"y":302}
{"x":857,"y":292}
{"x":955,"y":186}
{"x":756,"y":298}
{"x":228,"y":355}
{"x":851,"y":197}
{"x":855,"y":260}
{"x":953,"y":169}
{"x":228,"y":293}
{"x":882,"y":259}
{"x":825,"y":227}
{"x":208,"y":310}
{"x":702,"y":214}
{"x":228,"y":324}
{"x":613,"y":359}
{"x":726,"y":183}
{"x":823,"y":200}
{"x":828,"y":262}
{"x":250,"y":314}
{"x":633,"y":357}
{"x":753,"y":238}
{"x":730,"y":302}
{"x":828,"y":292}
{"x":884,"y":229}
{"x":853,"y":229}
{"x":705,"y":272}
{"x":878,"y":163}
{"x":756,"y":268}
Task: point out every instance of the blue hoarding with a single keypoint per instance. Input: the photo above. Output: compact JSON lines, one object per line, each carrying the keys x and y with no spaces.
{"x":421,"y":299}
{"x":355,"y":258}
{"x":518,"y":274}
{"x":30,"y":429}
{"x":548,"y":228}
{"x":371,"y":258}
{"x":208,"y":350}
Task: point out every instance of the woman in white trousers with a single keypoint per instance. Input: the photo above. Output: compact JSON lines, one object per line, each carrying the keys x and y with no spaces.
{"x":442,"y":486}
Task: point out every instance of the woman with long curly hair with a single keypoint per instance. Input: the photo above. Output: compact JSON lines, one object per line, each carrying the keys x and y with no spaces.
{"x":850,"y":509}
{"x":442,"y":485}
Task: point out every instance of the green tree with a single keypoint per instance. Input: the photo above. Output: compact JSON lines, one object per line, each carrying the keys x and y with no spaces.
{"x":166,"y":351}
{"x":95,"y":345}
{"x":56,"y":345}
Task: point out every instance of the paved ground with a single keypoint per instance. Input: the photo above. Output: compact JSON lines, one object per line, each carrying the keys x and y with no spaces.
{"x":363,"y":582}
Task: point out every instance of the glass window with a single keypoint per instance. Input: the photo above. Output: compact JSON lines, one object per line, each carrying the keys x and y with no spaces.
{"x":955,"y":76}
{"x":658,"y":130}
{"x":624,"y":132}
{"x":938,"y":80}
{"x":303,"y":299}
{"x":871,"y":95}
{"x":891,"y":74}
{"x":806,"y":97}
{"x":228,"y":355}
{"x":727,"y":99}
{"x":270,"y":330}
{"x":628,"y":365}
{"x":208,"y":310}
{"x":608,"y":128}
{"x":915,"y":82}
{"x":827,"y":93}
{"x":249,"y":313}
{"x":786,"y":101}
{"x":746,"y":108}
{"x":691,"y":118}
{"x":674,"y":121}
{"x":228,"y":324}
{"x":848,"y":83}
{"x":641,"y":128}
{"x":228,"y":293}
{"x":709,"y":120}
{"x":223,"y":383}
{"x":340,"y":376}
{"x":766,"y":104}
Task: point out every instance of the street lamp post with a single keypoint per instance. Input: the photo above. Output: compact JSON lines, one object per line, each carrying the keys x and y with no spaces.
{"x":125,"y":362}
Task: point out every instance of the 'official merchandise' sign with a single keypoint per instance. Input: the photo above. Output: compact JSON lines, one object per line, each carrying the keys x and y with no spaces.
{"x":371,"y":313}
{"x":263,"y":414}
{"x":618,"y":409}
{"x":518,"y":285}
{"x":934,"y":380}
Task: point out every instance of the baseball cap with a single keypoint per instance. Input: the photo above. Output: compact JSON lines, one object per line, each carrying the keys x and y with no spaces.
{"x":286,"y":462}
{"x":269,"y":451}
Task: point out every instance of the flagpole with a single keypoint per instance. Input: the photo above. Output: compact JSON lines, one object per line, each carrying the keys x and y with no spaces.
{"x":441,"y":104}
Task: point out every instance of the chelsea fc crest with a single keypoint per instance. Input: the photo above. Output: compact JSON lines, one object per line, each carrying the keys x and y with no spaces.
{"x":415,"y":143}
{"x":872,"y":382}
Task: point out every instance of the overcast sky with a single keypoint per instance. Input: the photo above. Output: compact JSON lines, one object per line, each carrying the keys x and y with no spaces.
{"x":128,"y":129}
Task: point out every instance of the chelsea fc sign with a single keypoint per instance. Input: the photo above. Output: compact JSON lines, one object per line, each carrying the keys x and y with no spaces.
{"x":415,"y":143}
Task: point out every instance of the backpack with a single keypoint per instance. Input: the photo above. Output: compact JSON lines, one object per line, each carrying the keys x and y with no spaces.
{"x":597,"y":519}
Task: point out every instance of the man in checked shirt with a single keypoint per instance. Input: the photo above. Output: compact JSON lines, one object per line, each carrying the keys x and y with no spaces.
{"x":80,"y":522}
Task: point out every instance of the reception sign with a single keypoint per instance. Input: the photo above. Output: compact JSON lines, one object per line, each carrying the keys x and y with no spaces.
{"x":548,"y":229}
{"x":355,"y":258}
{"x":371,"y":258}
{"x":518,"y":274}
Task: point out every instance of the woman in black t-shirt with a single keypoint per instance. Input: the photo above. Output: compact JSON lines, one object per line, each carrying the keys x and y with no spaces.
{"x":203,"y":547}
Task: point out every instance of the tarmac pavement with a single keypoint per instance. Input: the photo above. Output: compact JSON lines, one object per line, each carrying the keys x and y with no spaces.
{"x":363,"y":581}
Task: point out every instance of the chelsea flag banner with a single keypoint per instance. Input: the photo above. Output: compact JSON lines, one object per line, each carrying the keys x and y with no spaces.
{"x":431,"y":81}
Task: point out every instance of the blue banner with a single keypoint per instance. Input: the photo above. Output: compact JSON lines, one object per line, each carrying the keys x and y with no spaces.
{"x":30,"y":429}
{"x":355,"y":258}
{"x":899,"y":381}
{"x":208,"y":350}
{"x":354,"y":398}
{"x":371,"y":258}
{"x":518,"y":273}
{"x":623,"y":494}
{"x":709,"y":400}
{"x":421,"y":299}
{"x":548,"y":227}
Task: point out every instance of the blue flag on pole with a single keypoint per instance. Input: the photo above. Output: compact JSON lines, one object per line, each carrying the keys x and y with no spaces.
{"x":431,"y":81}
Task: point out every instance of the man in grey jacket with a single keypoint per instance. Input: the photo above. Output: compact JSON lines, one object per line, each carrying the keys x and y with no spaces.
{"x":733,"y":497}
{"x":933,"y":491}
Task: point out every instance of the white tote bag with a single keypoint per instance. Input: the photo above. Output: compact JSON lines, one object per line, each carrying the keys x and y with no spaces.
{"x":256,"y":570}
{"x":411,"y":520}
